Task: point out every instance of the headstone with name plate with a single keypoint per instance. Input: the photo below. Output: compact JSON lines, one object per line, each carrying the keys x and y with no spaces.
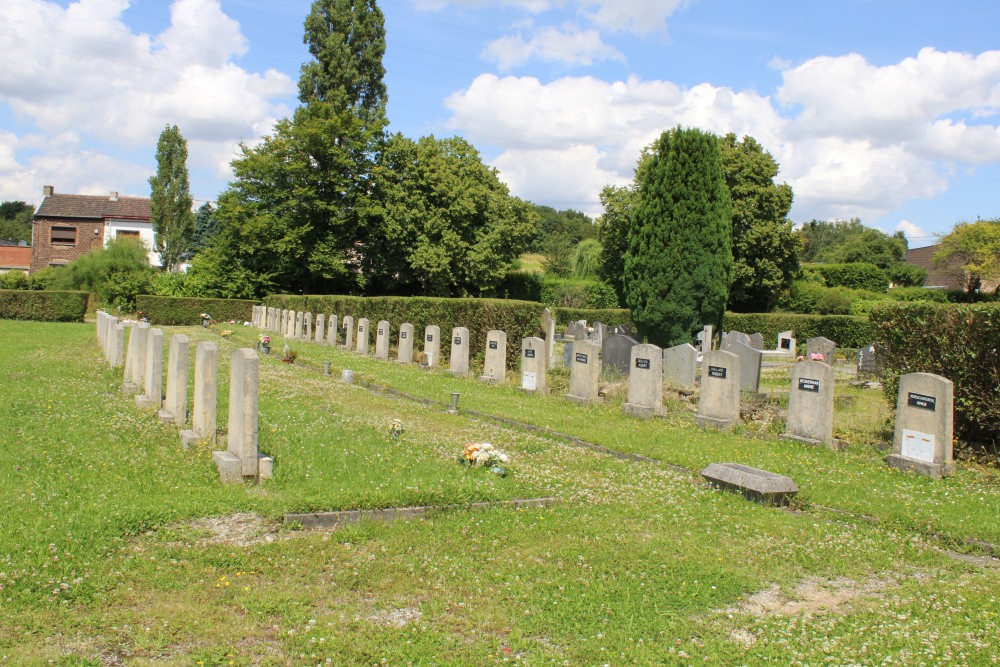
{"x":680,"y":365}
{"x":810,"y":403}
{"x":404,"y":350}
{"x":645,"y":382}
{"x":459,"y":364}
{"x":382,"y":340}
{"x":432,"y":345}
{"x":585,"y":372}
{"x":922,"y":440}
{"x":617,"y":353}
{"x":364,"y":339}
{"x":349,"y":332}
{"x":719,"y":400}
{"x":786,"y":343}
{"x":495,"y":361}
{"x":533,"y":364}
{"x":320,"y":335}
{"x":332,"y":330}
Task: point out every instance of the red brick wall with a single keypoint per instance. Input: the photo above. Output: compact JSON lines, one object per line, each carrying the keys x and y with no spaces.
{"x":89,"y":235}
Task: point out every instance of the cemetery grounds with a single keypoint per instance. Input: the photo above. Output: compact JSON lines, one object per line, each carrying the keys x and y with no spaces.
{"x":119,"y":547}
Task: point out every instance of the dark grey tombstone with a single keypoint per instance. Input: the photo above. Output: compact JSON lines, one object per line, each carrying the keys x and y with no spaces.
{"x":866,"y":360}
{"x":617,"y":353}
{"x":568,"y":353}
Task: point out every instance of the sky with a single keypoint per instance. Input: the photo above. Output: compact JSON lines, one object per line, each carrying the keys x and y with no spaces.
{"x":886,"y":110}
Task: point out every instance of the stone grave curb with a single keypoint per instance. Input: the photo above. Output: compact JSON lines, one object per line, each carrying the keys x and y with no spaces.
{"x":319,"y":520}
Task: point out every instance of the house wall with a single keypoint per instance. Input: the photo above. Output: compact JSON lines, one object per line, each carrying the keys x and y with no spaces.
{"x":89,"y":235}
{"x":15,"y":258}
{"x":113,"y":227}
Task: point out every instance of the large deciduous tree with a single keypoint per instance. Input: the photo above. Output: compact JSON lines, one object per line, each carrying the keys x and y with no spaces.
{"x":290,"y":218}
{"x":170,"y":202}
{"x":975,"y":246}
{"x":679,"y":264}
{"x":15,"y":220}
{"x":439,"y":221}
{"x":765,"y":250}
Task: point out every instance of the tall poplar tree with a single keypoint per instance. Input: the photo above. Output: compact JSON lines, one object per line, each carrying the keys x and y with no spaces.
{"x":679,"y":263}
{"x":170,"y":203}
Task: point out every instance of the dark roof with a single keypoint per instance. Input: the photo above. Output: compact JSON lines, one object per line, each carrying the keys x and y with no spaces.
{"x":949,"y":276}
{"x":98,"y":207}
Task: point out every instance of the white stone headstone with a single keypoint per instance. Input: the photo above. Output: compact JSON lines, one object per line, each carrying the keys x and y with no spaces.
{"x":495,"y":364}
{"x":533,"y":364}
{"x":432,"y":345}
{"x":459,"y":365}
{"x":585,"y":372}
{"x":719,"y":400}
{"x":922,"y":440}
{"x":810,"y":403}
{"x":645,"y":382}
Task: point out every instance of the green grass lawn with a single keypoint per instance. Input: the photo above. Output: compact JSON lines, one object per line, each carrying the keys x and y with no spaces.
{"x":119,"y":547}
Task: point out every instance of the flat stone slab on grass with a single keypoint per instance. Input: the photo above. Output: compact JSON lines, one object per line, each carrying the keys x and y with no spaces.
{"x":316,"y":520}
{"x":758,"y":485}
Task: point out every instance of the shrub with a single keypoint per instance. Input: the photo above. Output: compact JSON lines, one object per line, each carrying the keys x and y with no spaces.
{"x":587,"y":258}
{"x":116,"y":274}
{"x":45,"y":306}
{"x":907,"y":275}
{"x":14,"y":280}
{"x":169,"y":283}
{"x":857,"y":275}
{"x":569,"y":293}
{"x":519,"y":285}
{"x":845,"y":330}
{"x":919,"y":294}
{"x":186,"y":311}
{"x":519,"y":319}
{"x":808,"y":297}
{"x":959,"y":342}
{"x":610,"y":316}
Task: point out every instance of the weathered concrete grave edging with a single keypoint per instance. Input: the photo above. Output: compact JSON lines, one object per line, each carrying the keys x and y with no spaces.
{"x":319,"y":520}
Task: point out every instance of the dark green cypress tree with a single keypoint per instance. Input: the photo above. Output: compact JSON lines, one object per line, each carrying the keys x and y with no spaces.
{"x":679,"y":262}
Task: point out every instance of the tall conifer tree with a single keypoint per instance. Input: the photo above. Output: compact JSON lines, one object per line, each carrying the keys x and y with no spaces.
{"x":170,"y":203}
{"x":679,"y":263}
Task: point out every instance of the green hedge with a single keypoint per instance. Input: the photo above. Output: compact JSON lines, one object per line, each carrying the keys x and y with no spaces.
{"x":844,"y":330}
{"x":856,"y":275}
{"x":519,"y":319}
{"x":44,"y":306}
{"x":186,"y":311}
{"x":609,"y":316}
{"x":959,"y":342}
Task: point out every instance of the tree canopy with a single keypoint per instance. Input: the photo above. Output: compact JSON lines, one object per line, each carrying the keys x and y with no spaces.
{"x":15,"y":220}
{"x":679,"y":264}
{"x":171,"y":202}
{"x":976,"y":246}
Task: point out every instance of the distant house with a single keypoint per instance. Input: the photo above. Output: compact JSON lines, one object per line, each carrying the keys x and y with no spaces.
{"x":950,"y":275}
{"x":66,"y":227}
{"x":14,"y":257}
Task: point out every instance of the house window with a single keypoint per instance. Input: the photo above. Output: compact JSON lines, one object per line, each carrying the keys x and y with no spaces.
{"x":63,"y":235}
{"x":127,"y":234}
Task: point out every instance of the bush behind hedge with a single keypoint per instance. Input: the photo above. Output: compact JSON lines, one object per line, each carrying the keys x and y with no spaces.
{"x":43,"y":306}
{"x":519,"y":319}
{"x":186,"y":311}
{"x":610,"y":316}
{"x":959,"y":342}
{"x":856,"y":275}
{"x":845,"y":330}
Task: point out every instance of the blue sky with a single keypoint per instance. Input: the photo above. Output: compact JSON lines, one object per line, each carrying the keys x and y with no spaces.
{"x":888,"y":110}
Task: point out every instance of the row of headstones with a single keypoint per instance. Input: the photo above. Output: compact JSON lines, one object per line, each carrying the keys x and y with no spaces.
{"x":143,"y":377}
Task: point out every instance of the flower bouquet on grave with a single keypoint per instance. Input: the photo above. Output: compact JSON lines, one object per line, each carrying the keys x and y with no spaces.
{"x":206,"y":319}
{"x":141,"y":316}
{"x":226,"y":333}
{"x":485,"y":455}
{"x":816,"y":356}
{"x":265,"y":344}
{"x":396,"y":428}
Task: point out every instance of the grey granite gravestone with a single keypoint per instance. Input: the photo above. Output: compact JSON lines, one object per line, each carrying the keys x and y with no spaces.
{"x":432,"y":345}
{"x":135,"y":359}
{"x":754,"y":484}
{"x":922,"y":439}
{"x":617,"y":352}
{"x":175,"y":403}
{"x":404,"y":350}
{"x":820,"y":346}
{"x":750,"y":363}
{"x":533,"y":364}
{"x":206,"y":371}
{"x":568,"y":353}
{"x":584,"y":373}
{"x":459,"y":365}
{"x":363,"y":339}
{"x":757,"y":341}
{"x":680,"y":365}
{"x":241,"y":460}
{"x":495,"y":361}
{"x":382,"y":340}
{"x":645,"y":382}
{"x":719,"y":401}
{"x":810,"y":403}
{"x":152,"y":379}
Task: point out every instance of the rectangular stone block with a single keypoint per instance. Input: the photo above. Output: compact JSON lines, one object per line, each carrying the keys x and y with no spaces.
{"x":404,"y":350}
{"x":432,"y":345}
{"x":152,"y":382}
{"x":719,"y":400}
{"x":533,"y":364}
{"x":753,"y":483}
{"x":382,"y":331}
{"x":922,"y":439}
{"x":348,"y":333}
{"x":363,"y":341}
{"x":810,"y":403}
{"x":118,"y":346}
{"x":243,"y":417}
{"x":206,"y":371}
{"x":307,"y":326}
{"x":175,"y":403}
{"x":320,"y":328}
{"x":459,"y":360}
{"x":680,"y":366}
{"x":135,"y":358}
{"x":495,"y":363}
{"x":331,"y":331}
{"x":645,"y":382}
{"x":585,"y":372}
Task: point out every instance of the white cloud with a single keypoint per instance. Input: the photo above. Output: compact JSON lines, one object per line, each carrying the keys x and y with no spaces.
{"x":568,"y":45}
{"x":637,"y":16}
{"x":79,"y":72}
{"x":916,"y":236}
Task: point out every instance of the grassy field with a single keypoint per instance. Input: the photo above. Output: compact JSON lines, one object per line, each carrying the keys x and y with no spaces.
{"x":119,"y":547}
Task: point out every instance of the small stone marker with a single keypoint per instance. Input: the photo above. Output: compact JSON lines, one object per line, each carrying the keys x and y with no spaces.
{"x":645,"y":382}
{"x":533,"y":364}
{"x":584,"y":373}
{"x":866,"y":361}
{"x":821,"y":345}
{"x":241,"y":460}
{"x":152,"y":381}
{"x":320,"y":328}
{"x":347,"y":376}
{"x":719,"y":402}
{"x":307,"y":326}
{"x":404,"y":351}
{"x":810,"y":403}
{"x":616,"y":353}
{"x":495,"y":361}
{"x":750,"y":363}
{"x":175,"y":403}
{"x":432,"y":345}
{"x":135,"y":360}
{"x":459,"y":365}
{"x":786,"y":343}
{"x":922,"y":441}
{"x":757,"y":341}
{"x":331,"y":331}
{"x":382,"y":340}
{"x":206,"y":374}
{"x":363,"y":337}
{"x":680,"y":365}
{"x":758,"y":485}
{"x":348,"y":333}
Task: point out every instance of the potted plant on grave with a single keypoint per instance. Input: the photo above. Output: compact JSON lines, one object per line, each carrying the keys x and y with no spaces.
{"x":206,"y":319}
{"x":265,"y":344}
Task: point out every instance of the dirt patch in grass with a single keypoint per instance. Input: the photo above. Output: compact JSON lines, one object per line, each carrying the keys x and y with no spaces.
{"x":242,"y":530}
{"x":812,"y":595}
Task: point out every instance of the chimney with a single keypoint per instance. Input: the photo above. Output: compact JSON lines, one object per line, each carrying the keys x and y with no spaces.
{"x":114,"y":196}
{"x":47,"y":190}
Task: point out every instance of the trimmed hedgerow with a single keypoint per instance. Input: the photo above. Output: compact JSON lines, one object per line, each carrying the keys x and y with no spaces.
{"x":844,"y":330}
{"x":519,"y":319}
{"x":44,"y":306}
{"x":186,"y":311}
{"x":959,"y":342}
{"x":856,"y":275}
